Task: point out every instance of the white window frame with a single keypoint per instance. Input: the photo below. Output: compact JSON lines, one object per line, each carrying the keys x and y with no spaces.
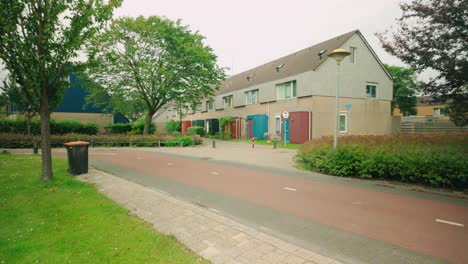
{"x":278,"y":117}
{"x":376,"y":90}
{"x":292,"y":87}
{"x":436,"y":111}
{"x":353,"y":57}
{"x":251,"y":93}
{"x":229,"y":98}
{"x":208,"y":104}
{"x":345,"y":114}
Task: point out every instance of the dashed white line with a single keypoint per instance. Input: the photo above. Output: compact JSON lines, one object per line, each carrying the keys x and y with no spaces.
{"x":140,"y":158}
{"x":449,"y":222}
{"x":290,"y":189}
{"x":113,"y":154}
{"x":214,"y":173}
{"x":170,"y":164}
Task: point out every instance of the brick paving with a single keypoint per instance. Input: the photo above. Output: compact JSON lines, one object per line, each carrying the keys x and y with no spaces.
{"x":214,"y":237}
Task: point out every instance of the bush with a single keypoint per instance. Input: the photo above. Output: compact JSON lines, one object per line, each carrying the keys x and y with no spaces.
{"x":56,"y":127}
{"x":172,"y":126}
{"x":119,"y":128}
{"x":438,"y":160}
{"x":196,"y":130}
{"x":20,"y":141}
{"x":139,"y":126}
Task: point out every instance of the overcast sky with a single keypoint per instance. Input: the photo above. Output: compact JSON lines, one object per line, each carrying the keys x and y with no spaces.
{"x":245,"y":34}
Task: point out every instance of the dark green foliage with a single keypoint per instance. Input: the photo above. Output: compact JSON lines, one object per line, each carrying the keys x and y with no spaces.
{"x":56,"y":127}
{"x":438,"y":160}
{"x":172,"y":126}
{"x":119,"y":128}
{"x":139,"y":126}
{"x":404,"y":89}
{"x":21,"y":141}
{"x":196,"y":130}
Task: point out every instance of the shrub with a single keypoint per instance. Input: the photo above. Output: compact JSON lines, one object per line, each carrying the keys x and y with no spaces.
{"x":20,"y":141}
{"x":19,"y":126}
{"x":172,"y":126}
{"x":196,"y":130}
{"x":139,"y":126}
{"x":119,"y":128}
{"x":438,"y":160}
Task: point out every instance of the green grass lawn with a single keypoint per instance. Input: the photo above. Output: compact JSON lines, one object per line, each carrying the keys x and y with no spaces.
{"x":68,"y":221}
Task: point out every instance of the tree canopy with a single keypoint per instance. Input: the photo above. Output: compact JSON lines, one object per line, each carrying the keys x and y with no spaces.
{"x":38,"y":40}
{"x":434,"y":35}
{"x":150,"y":62}
{"x":404,"y":89}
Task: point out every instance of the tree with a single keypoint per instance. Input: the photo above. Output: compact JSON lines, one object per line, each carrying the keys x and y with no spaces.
{"x":151,"y":62}
{"x":38,"y":40}
{"x":434,"y":35}
{"x":404,"y":89}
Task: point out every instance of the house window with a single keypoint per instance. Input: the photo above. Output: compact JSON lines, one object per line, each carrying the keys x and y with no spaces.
{"x":209,"y":105}
{"x":439,"y":111}
{"x":286,"y":90}
{"x":343,"y":122}
{"x":227,"y":101}
{"x":251,"y":97}
{"x":277,"y":124}
{"x":371,"y":90}
{"x":353,"y":51}
{"x":174,"y":112}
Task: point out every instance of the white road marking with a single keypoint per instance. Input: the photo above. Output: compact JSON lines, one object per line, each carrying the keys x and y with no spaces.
{"x":449,"y":223}
{"x":113,"y":154}
{"x":140,"y":158}
{"x":170,"y":164}
{"x":214,"y":172}
{"x":289,"y":189}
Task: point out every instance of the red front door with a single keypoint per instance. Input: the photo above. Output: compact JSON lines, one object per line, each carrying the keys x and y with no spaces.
{"x":249,"y":127}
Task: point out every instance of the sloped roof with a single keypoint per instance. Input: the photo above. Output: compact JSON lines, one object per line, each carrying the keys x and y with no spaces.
{"x":298,"y":62}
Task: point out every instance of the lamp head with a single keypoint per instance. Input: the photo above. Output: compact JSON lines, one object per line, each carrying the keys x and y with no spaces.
{"x":338,"y":55}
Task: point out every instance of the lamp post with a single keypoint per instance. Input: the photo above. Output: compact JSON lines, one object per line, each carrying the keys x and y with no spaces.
{"x":338,"y":55}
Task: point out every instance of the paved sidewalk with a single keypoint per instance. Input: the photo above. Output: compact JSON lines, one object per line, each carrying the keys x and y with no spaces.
{"x":207,"y":233}
{"x":238,"y":152}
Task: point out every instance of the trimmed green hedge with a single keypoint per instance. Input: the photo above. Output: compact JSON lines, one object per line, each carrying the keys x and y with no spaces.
{"x":437,"y":160}
{"x":172,"y":126}
{"x":21,"y":141}
{"x":196,"y":130}
{"x":131,"y":129}
{"x":56,"y":127}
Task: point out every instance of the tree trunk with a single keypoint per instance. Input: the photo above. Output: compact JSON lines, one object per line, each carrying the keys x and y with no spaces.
{"x":149,"y":119}
{"x":45,"y":137}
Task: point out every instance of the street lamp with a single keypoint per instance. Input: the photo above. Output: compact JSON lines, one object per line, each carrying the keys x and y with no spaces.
{"x":338,"y":55}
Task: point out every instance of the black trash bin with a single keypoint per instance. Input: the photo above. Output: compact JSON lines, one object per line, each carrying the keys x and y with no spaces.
{"x":77,"y":154}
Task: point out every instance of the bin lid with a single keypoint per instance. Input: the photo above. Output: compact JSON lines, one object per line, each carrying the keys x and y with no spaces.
{"x":76,"y":143}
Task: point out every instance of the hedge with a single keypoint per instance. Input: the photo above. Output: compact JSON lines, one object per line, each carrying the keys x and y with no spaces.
{"x":131,"y":129}
{"x":196,"y":130}
{"x":20,"y":141}
{"x":437,"y":160}
{"x":119,"y":128}
{"x":172,"y":126}
{"x":56,"y":127}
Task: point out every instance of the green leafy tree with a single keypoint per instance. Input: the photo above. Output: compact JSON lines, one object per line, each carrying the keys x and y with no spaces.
{"x":434,"y":35}
{"x":404,"y":89}
{"x":151,"y":62}
{"x":13,"y":95}
{"x":38,"y":40}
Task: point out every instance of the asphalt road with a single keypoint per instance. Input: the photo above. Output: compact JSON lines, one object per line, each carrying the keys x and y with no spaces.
{"x":411,"y":228}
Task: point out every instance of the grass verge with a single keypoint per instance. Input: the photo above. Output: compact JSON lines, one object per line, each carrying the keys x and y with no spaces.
{"x":68,"y":221}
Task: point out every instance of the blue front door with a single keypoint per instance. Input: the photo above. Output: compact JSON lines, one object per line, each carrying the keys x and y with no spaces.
{"x":286,"y":130}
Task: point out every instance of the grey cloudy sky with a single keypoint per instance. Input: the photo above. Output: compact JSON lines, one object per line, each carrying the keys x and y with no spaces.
{"x":245,"y":34}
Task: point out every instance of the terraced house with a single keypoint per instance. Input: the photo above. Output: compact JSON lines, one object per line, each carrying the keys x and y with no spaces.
{"x":304,"y":84}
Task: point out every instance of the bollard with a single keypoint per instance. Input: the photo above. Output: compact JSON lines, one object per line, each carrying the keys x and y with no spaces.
{"x":274,"y":144}
{"x":92,"y":143}
{"x":159,"y":143}
{"x":253,"y":142}
{"x":193,"y":142}
{"x":130,"y":143}
{"x":35,"y":149}
{"x":181,"y":144}
{"x":214,"y":144}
